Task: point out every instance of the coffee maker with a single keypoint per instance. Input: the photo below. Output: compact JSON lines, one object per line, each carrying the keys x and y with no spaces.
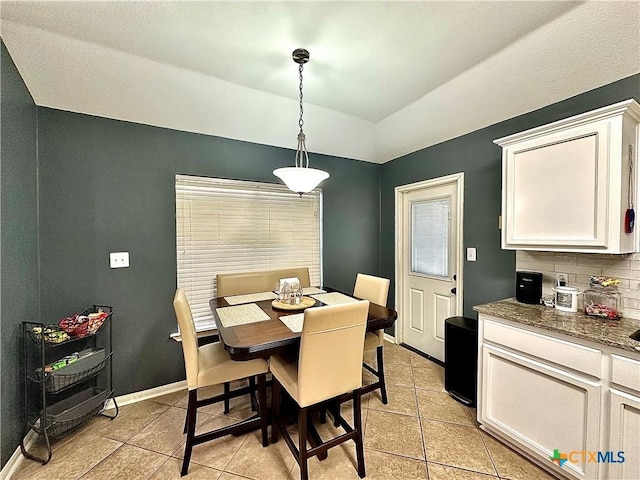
{"x":529,"y":287}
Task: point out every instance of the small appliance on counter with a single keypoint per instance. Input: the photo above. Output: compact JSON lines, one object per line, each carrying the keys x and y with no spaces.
{"x":566,"y":298}
{"x":529,"y":287}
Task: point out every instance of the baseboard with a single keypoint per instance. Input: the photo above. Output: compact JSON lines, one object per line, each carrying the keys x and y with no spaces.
{"x":422,"y":354}
{"x":146,"y":394}
{"x":16,"y":459}
{"x":389,"y":338}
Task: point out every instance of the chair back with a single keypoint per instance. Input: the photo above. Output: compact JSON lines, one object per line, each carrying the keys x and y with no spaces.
{"x":331,"y":350}
{"x":257,"y":282}
{"x":374,"y":289}
{"x":189,"y":337}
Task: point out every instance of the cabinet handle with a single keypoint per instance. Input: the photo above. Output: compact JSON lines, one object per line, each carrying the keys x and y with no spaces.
{"x":454,"y":290}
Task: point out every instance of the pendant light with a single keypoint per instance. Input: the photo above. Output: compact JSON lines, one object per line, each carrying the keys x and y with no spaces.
{"x":300,"y":178}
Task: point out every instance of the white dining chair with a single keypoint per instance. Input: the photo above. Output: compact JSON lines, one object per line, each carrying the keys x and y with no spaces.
{"x":316,"y":376}
{"x":211,"y":365}
{"x":376,"y":290}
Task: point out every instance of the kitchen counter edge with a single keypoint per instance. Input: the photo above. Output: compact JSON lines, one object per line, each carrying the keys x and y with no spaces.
{"x":612,"y":333}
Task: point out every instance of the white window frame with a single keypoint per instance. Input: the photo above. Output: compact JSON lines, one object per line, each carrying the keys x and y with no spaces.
{"x":204,"y":205}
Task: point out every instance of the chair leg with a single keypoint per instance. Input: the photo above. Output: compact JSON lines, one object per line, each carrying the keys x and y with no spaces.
{"x":302,"y":443}
{"x":383,"y":385}
{"x":357,"y":423}
{"x":252,"y":395}
{"x":275,"y":407}
{"x":191,"y":430}
{"x":323,"y":414}
{"x":335,"y":405}
{"x":227,"y":390}
{"x":186,"y":422}
{"x":262,"y":408}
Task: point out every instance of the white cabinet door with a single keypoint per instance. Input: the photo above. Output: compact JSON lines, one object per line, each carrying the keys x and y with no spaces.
{"x":624,"y":436}
{"x":556,"y":189}
{"x":541,"y":407}
{"x":565,"y":185}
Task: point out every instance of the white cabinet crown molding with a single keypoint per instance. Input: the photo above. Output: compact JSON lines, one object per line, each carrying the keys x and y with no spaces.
{"x":630,"y":107}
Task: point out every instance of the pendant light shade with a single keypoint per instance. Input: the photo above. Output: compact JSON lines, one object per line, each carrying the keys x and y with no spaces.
{"x":300,"y":178}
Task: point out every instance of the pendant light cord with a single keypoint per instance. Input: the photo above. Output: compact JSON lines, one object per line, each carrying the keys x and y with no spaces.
{"x":302,"y":157}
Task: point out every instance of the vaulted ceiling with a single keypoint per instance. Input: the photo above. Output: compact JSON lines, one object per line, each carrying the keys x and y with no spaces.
{"x":384,"y":79}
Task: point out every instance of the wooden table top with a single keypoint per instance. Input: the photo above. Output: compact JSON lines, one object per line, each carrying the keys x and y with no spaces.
{"x":264,"y":338}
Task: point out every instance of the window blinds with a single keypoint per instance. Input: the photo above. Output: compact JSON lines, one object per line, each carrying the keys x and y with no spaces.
{"x":430,"y":237}
{"x":225,"y":226}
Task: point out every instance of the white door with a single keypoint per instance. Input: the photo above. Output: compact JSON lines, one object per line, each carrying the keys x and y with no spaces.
{"x":431,"y":242}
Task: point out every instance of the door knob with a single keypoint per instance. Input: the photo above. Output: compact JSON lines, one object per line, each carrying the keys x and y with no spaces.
{"x":453,"y":290}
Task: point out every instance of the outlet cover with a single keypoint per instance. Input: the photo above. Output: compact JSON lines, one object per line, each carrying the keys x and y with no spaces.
{"x":119,"y":259}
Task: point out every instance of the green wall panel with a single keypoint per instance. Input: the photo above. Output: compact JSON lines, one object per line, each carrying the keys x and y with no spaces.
{"x":108,"y":186}
{"x":19,"y":243}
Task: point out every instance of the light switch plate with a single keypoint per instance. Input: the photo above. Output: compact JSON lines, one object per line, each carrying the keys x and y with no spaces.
{"x":471,"y":254}
{"x":119,"y":259}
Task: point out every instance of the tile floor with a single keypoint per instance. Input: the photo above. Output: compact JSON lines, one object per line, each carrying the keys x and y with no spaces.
{"x":421,"y":434}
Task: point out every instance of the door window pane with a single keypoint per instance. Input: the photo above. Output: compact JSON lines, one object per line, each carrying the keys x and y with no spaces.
{"x":430,"y":237}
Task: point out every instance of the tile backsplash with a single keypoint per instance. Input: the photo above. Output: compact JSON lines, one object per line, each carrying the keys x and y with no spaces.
{"x":578,"y":267}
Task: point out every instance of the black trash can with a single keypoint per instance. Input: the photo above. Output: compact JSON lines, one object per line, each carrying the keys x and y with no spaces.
{"x":461,"y":359}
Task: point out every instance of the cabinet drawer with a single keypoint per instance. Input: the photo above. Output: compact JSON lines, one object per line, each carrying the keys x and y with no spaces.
{"x":577,"y":357}
{"x":625,"y":372}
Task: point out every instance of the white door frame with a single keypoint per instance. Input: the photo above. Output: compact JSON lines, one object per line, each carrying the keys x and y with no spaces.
{"x":400,"y":191}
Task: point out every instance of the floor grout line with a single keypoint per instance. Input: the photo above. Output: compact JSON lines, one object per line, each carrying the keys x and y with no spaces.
{"x":373,"y":404}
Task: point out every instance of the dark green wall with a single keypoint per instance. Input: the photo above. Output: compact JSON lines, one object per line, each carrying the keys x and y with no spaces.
{"x":108,"y":186}
{"x":492,"y":277}
{"x":19,"y":242}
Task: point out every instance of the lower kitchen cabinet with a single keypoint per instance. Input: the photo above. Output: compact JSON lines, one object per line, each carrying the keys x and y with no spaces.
{"x":551,"y":397}
{"x":624,"y":435}
{"x":541,"y":407}
{"x":624,"y":418}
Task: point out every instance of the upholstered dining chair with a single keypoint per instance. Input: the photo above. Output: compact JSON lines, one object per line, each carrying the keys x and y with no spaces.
{"x":328,"y":366}
{"x":376,"y":290}
{"x":211,"y":365}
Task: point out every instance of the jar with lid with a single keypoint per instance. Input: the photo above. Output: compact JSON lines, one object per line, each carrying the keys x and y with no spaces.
{"x":603,"y":302}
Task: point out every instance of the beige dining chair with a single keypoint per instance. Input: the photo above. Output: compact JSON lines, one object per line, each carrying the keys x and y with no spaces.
{"x":211,"y":365}
{"x":242,"y":283}
{"x":328,"y":366}
{"x":376,"y":290}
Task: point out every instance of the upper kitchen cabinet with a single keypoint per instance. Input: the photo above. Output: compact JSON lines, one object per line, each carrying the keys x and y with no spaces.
{"x":565,"y":186}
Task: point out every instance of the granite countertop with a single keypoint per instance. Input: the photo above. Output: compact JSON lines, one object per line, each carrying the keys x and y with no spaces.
{"x":613,"y":333}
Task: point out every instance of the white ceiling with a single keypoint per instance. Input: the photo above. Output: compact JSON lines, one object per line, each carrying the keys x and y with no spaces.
{"x":385,"y":78}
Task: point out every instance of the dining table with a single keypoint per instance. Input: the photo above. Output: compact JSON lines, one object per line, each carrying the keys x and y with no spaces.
{"x":265,"y":330}
{"x":263,"y":338}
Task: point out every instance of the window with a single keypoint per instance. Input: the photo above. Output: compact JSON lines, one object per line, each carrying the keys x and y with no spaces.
{"x":430,"y":237}
{"x":225,"y":226}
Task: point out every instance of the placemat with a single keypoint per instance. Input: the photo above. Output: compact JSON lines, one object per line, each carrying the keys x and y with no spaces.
{"x":293,"y":322}
{"x":334,"y":298}
{"x":250,"y":298}
{"x":312,"y":290}
{"x":241,"y":315}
